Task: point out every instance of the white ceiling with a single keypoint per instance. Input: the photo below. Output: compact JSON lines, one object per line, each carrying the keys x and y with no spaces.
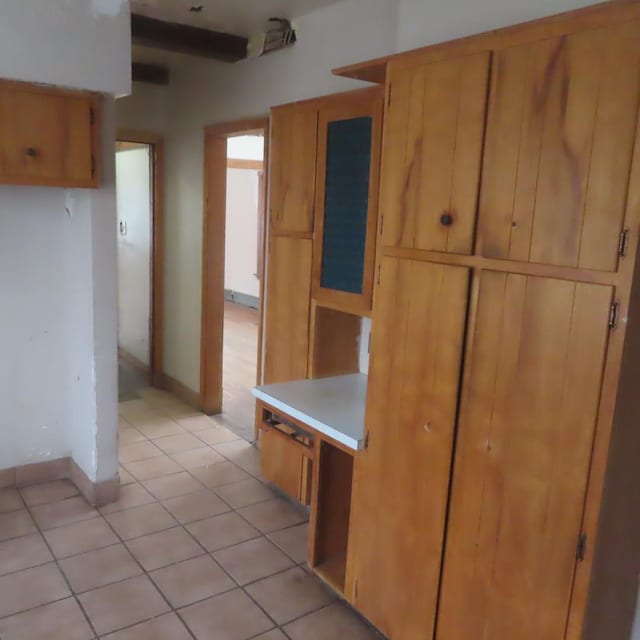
{"x":240,"y":17}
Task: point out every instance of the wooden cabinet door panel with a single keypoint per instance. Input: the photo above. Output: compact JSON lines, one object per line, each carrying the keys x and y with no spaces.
{"x":432,"y":154}
{"x":292,"y":168}
{"x":560,"y":136}
{"x":522,"y":458}
{"x":288,"y":304}
{"x":401,"y":481}
{"x":281,"y":463}
{"x":45,"y":137}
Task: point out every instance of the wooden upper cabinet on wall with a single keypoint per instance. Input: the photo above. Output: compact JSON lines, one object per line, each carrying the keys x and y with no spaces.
{"x":432,"y":152}
{"x":561,"y":130}
{"x":293,"y":168}
{"x":48,"y":136}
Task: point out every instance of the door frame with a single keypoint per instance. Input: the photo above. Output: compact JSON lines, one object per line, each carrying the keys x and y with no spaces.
{"x":213,"y":254}
{"x":156,"y":324}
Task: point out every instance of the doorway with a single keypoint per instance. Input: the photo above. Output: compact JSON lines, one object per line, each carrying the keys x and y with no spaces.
{"x":234,"y":223}
{"x":139,"y":283}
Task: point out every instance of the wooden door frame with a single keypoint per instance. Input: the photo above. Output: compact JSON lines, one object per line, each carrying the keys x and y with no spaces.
{"x":213,"y":255}
{"x":156,"y":143}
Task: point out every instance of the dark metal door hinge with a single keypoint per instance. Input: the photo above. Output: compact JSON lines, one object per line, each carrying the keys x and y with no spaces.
{"x":623,"y":243}
{"x":613,"y":315}
{"x":581,"y":553}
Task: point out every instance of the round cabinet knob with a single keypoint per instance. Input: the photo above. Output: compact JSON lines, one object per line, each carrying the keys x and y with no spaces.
{"x":446,"y":219}
{"x":32,"y":152}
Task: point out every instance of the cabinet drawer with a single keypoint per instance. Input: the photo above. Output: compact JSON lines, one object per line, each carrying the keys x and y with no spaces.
{"x":47,"y":136}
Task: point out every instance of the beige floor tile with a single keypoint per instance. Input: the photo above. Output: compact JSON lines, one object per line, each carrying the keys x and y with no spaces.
{"x":290,"y":595}
{"x":10,"y":500}
{"x":48,"y":492}
{"x":123,"y":604}
{"x":180,"y":411}
{"x":137,"y":411}
{"x":294,"y":541}
{"x":23,"y":553}
{"x":16,"y":523}
{"x":130,"y":435}
{"x":99,"y":568}
{"x":230,"y":616}
{"x":176,"y":444}
{"x":153,"y":468}
{"x":157,"y":397}
{"x":80,"y":537}
{"x":222,"y":531}
{"x":273,"y":515}
{"x":335,"y":621}
{"x":61,"y":620}
{"x":160,"y":428}
{"x":31,"y":588}
{"x":138,"y":451}
{"x":166,"y":627}
{"x":276,"y":634}
{"x":216,"y":435}
{"x":202,"y":457}
{"x":196,"y":506}
{"x":178,"y":484}
{"x":219,"y":474}
{"x":195,"y":423}
{"x":242,"y":453}
{"x":140,"y":521}
{"x":131,"y":495}
{"x":125,"y":477}
{"x":252,"y":560}
{"x":245,"y":493}
{"x":162,"y":549}
{"x":123,"y":423}
{"x":7,"y":478}
{"x":192,"y":580}
{"x":58,"y":514}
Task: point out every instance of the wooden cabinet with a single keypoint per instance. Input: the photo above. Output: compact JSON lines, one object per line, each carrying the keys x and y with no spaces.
{"x":434,"y":130}
{"x":48,"y":136}
{"x":402,"y":481}
{"x":526,"y":432}
{"x":292,"y":168}
{"x":560,"y":136}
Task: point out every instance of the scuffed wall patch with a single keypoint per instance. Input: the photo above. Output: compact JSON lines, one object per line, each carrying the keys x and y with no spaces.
{"x":108,"y":7}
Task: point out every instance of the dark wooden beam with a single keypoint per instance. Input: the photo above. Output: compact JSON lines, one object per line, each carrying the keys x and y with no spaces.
{"x":183,"y":38}
{"x":149,"y":73}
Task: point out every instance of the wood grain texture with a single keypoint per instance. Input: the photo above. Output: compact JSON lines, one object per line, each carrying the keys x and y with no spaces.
{"x":560,"y":132}
{"x":432,"y":152}
{"x":530,"y":405}
{"x":293,"y":168}
{"x":401,"y":481}
{"x":48,"y":137}
{"x":281,"y":463}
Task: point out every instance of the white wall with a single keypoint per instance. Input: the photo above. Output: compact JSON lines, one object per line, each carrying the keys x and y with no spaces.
{"x":241,"y":232}
{"x":133,"y":187}
{"x":58,"y":322}
{"x":84,"y":44}
{"x":146,"y":109}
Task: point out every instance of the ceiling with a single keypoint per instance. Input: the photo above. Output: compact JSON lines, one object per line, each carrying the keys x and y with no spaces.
{"x":239,"y":17}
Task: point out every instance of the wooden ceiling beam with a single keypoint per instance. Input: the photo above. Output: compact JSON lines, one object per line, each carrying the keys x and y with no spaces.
{"x":149,"y":73}
{"x":182,"y":38}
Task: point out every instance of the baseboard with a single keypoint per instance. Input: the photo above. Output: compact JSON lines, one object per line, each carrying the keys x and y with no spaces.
{"x":242,"y":298}
{"x":167,"y":383}
{"x":96,"y":493}
{"x":136,"y":363}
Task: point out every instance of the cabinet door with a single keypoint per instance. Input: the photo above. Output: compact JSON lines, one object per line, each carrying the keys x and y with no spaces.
{"x":560,"y":135}
{"x":402,"y":480}
{"x":434,"y":131}
{"x":293,"y":168}
{"x":288,"y":304}
{"x":46,"y":137}
{"x":524,"y":444}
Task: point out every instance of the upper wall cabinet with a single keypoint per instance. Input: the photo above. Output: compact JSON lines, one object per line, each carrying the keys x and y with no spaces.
{"x":348,"y":166}
{"x":293,"y":168}
{"x":432,"y":153}
{"x":47,"y":136}
{"x":561,"y":129}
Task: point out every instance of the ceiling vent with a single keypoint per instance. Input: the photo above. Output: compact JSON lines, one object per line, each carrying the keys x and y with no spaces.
{"x":280,"y":35}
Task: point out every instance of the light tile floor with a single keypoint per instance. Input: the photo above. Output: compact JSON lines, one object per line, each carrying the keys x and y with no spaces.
{"x":196,"y":548}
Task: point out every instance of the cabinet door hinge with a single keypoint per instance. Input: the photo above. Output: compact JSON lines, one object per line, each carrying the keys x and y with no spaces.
{"x":366,"y":440}
{"x":613,"y":315}
{"x":381,"y":224}
{"x":92,"y":116}
{"x":389,"y":96}
{"x":623,"y":243}
{"x":355,"y":590}
{"x":93,"y":166}
{"x":581,"y":552}
{"x":379,"y":269}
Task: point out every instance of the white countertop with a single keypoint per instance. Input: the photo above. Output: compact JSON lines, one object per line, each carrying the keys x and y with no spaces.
{"x":333,"y":406}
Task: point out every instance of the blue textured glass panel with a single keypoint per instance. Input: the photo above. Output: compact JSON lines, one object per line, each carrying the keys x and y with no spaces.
{"x":346,"y":204}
